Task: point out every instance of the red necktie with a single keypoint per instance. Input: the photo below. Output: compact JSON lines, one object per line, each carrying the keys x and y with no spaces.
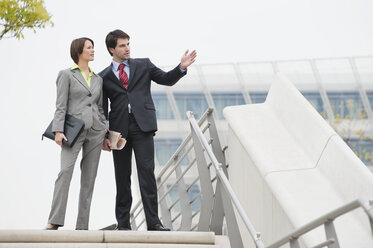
{"x":123,"y":76}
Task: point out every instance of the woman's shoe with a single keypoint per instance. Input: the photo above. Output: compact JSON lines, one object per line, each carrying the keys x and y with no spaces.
{"x":54,"y":227}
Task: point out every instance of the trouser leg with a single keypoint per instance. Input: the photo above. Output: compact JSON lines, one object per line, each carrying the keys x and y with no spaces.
{"x":122,"y":164}
{"x":89,"y":165}
{"x":62,"y":184}
{"x":143,"y":146}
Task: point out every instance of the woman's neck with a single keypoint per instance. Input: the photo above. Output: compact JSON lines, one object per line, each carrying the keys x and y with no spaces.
{"x":83,"y":65}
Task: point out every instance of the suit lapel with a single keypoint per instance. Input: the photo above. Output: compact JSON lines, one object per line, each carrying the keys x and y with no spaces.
{"x":113,"y":78}
{"x":94,"y":81}
{"x":132,"y":64}
{"x":78,"y":75}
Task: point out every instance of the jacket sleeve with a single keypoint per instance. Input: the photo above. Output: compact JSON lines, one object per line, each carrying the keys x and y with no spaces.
{"x":103,"y":107}
{"x":63,"y":86}
{"x":165,"y":78}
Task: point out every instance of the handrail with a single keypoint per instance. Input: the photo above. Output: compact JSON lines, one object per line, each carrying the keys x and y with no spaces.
{"x":361,"y":202}
{"x":217,"y":196}
{"x":218,"y":167}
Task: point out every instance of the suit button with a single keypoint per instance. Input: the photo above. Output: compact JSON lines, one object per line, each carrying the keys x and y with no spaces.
{"x":90,"y":95}
{"x":89,"y":105}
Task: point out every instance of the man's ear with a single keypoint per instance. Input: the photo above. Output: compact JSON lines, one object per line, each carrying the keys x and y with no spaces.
{"x":111,"y":49}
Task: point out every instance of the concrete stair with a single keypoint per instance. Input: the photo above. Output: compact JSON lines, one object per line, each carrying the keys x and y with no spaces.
{"x":109,"y":239}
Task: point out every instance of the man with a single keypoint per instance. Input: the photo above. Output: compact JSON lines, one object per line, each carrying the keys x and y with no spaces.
{"x":132,"y":113}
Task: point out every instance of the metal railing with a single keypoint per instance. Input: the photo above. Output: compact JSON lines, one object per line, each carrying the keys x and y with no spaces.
{"x":328,"y":221}
{"x":211,"y":209}
{"x":191,"y":167}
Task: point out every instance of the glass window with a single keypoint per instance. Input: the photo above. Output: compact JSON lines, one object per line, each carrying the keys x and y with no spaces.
{"x":315,"y":99}
{"x":165,"y":148}
{"x":370,"y":97}
{"x":222,"y":100}
{"x":163,"y":106}
{"x":195,"y":102}
{"x":258,"y":97}
{"x":347,"y":105}
{"x":363,"y":148}
{"x":193,"y":192}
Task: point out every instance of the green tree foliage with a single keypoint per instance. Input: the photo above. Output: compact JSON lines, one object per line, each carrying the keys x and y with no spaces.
{"x":16,"y":15}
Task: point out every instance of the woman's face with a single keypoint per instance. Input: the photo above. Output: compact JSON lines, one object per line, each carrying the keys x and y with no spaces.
{"x":88,"y":53}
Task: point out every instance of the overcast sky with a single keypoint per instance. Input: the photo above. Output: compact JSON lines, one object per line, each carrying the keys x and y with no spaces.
{"x":220,"y":31}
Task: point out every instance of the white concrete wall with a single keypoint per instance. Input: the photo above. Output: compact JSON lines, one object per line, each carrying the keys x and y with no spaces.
{"x":288,"y":167}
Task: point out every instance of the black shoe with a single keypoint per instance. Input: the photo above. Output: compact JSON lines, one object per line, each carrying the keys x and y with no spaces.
{"x":54,"y":227}
{"x":158,"y":227}
{"x":123,"y":228}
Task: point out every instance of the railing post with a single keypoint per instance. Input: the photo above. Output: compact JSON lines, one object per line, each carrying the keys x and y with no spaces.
{"x":367,"y":206}
{"x":331,"y":234}
{"x":206,"y":185}
{"x":294,"y":243}
{"x":166,"y":214}
{"x":223,"y":205}
{"x":200,"y":141}
{"x":185,"y":208}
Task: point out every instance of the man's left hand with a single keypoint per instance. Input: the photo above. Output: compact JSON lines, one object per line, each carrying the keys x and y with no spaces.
{"x":188,"y":59}
{"x":106,"y":145}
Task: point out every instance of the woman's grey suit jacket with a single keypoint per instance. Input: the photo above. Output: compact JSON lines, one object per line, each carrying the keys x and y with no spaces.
{"x":76,"y":98}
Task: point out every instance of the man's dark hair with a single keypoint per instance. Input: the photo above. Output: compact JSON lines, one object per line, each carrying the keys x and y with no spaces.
{"x":76,"y":48}
{"x":112,"y":38}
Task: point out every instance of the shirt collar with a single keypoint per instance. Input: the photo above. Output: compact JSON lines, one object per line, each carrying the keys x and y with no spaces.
{"x":75,"y":66}
{"x":115,"y":64}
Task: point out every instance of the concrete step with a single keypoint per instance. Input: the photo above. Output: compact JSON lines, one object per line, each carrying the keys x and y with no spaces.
{"x":103,"y":245}
{"x":108,"y":239}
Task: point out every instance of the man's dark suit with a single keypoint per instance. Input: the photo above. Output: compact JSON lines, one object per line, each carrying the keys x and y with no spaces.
{"x":138,"y":128}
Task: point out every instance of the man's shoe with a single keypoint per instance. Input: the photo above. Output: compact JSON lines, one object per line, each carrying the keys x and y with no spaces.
{"x":123,"y":228}
{"x":158,"y":227}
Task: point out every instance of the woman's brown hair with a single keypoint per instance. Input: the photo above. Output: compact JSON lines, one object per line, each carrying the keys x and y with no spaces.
{"x":76,"y":48}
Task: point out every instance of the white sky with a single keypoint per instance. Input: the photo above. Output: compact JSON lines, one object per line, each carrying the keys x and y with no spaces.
{"x":220,"y":31}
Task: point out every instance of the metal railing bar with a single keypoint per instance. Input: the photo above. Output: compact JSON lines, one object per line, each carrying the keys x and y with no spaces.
{"x":193,"y":183}
{"x":323,"y":244}
{"x":209,"y":165}
{"x":214,"y":179}
{"x":367,"y":206}
{"x":182,"y":157}
{"x":135,"y":207}
{"x":225,"y":182}
{"x":195,"y":198}
{"x":176,"y":217}
{"x":196,"y":213}
{"x":174,"y":156}
{"x":173,"y":170}
{"x":166,"y":177}
{"x":140,"y":224}
{"x":173,"y":204}
{"x":138,"y":213}
{"x":194,"y":227}
{"x":167,"y":192}
{"x":318,"y":222}
{"x":176,"y":182}
{"x":187,"y":169}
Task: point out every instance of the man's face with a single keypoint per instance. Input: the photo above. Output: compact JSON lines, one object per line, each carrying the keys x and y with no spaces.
{"x":122,"y":51}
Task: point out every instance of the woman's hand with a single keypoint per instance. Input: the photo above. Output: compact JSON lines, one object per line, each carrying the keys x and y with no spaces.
{"x":59,"y":137}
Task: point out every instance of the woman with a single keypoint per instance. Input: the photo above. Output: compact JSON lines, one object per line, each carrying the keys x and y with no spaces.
{"x":79,"y":93}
